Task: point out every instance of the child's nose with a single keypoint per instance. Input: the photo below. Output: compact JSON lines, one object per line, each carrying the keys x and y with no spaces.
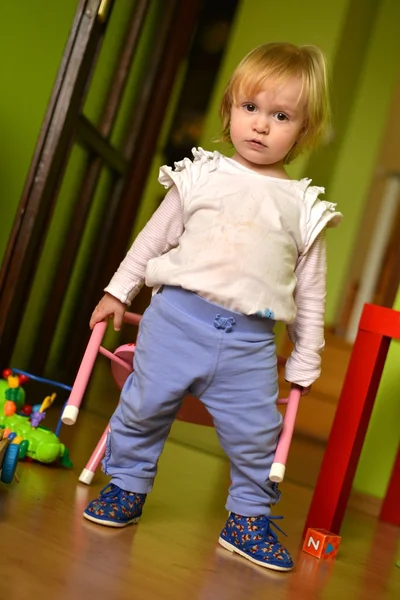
{"x":261,"y":124}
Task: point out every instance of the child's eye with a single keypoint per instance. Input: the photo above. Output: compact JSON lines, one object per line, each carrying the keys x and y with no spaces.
{"x":249,"y":107}
{"x":280,"y":116}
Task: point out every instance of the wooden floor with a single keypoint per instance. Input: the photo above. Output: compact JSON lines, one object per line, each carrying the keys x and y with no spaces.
{"x":49,"y":551}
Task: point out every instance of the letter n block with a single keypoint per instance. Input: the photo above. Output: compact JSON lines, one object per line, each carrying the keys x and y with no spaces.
{"x":321,"y":543}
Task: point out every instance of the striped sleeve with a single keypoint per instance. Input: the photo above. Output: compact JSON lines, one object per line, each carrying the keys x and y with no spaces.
{"x":307,"y":331}
{"x":160,"y":234}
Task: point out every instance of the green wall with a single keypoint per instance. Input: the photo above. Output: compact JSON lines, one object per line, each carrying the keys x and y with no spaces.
{"x":350,"y":183}
{"x":68,"y":195}
{"x":32,"y":39}
{"x":360,"y":147}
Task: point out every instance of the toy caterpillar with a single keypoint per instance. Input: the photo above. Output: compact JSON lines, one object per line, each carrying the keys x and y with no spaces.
{"x":37,"y":443}
{"x":20,"y":434}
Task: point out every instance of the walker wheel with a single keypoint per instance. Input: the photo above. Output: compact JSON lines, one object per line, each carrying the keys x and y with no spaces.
{"x":10,"y":463}
{"x":4,"y":443}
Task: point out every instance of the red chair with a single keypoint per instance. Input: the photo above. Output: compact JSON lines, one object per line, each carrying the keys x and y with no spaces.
{"x":377,"y":327}
{"x":192,"y":410}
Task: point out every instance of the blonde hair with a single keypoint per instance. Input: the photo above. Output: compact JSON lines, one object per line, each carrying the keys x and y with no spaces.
{"x":275,"y":63}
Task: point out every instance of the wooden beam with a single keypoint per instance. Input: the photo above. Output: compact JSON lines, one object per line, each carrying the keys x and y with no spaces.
{"x":169,"y":49}
{"x":87,"y":189}
{"x":91,"y":138}
{"x":31,"y":222}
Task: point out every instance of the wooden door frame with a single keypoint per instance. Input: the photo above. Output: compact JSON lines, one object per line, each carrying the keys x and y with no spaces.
{"x":45,"y":173}
{"x":60,"y":127}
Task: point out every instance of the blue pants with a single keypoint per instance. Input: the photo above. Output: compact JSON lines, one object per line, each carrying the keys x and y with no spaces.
{"x":228,"y":360}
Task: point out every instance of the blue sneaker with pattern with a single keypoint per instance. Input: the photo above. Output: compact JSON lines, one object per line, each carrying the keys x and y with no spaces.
{"x":253,"y":538}
{"x":115,"y":507}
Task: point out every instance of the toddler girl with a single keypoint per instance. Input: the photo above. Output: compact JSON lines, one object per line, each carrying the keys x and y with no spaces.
{"x":235,"y":246}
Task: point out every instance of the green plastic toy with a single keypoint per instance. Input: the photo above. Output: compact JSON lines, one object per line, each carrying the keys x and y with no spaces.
{"x":27,"y":438}
{"x":38,"y":443}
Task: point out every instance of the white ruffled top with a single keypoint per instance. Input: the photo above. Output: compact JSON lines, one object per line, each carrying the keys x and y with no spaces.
{"x":243,"y":234}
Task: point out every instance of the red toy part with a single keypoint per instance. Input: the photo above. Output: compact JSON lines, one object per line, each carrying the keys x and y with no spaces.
{"x":22,"y":379}
{"x":6,"y":373}
{"x":26,"y":410}
{"x":321,"y":543}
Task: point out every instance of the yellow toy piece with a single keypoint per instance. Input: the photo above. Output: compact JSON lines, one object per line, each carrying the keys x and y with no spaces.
{"x":47,"y":402}
{"x":13,"y":381}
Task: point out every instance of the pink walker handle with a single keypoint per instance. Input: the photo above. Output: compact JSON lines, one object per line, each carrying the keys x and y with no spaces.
{"x":71,"y":409}
{"x":279,"y":465}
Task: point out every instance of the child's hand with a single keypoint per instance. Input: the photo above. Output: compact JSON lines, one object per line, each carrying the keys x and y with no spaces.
{"x":304,"y":390}
{"x":108,"y":307}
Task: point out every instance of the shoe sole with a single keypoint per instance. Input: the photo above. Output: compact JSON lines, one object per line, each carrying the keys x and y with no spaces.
{"x":111,"y":523}
{"x":233,"y":548}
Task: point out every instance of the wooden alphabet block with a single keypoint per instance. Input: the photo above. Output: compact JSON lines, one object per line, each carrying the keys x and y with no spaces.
{"x":321,"y":543}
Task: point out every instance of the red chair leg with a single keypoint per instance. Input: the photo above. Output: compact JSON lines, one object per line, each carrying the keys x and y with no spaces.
{"x":390,"y":511}
{"x":348,"y":432}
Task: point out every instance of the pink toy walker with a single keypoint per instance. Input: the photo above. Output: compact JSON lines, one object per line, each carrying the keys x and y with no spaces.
{"x":121,"y":366}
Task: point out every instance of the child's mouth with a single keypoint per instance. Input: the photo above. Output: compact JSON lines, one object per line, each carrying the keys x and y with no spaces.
{"x":256,"y":144}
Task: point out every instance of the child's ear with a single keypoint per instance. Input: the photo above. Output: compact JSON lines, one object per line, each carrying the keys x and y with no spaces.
{"x":303,"y":129}
{"x":302,"y":133}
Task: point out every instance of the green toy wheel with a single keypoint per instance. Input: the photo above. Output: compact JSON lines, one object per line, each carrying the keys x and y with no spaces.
{"x":10,"y":463}
{"x":23,"y":448}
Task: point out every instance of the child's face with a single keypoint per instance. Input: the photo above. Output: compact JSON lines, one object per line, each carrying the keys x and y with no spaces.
{"x":265,"y":127}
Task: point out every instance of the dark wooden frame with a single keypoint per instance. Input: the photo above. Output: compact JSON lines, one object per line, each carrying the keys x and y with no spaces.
{"x":44,"y":178}
{"x":64,"y":124}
